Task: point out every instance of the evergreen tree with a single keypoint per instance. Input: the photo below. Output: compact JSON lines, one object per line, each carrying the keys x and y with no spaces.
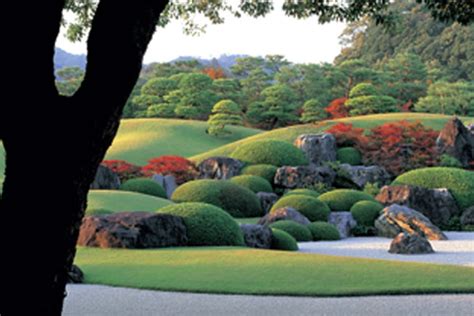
{"x":448,"y":98}
{"x":313,"y":111}
{"x":364,"y":99}
{"x":224,"y":112}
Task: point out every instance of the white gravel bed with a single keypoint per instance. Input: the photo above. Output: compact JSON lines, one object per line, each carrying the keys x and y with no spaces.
{"x":458,"y":250}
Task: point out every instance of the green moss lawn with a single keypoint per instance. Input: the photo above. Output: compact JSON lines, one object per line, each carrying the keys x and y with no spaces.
{"x":251,"y":271}
{"x":120,"y":201}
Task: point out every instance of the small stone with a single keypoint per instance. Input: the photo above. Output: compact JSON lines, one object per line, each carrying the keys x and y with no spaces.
{"x":318,"y":148}
{"x":410,"y":244}
{"x":105,"y":179}
{"x":284,"y":213}
{"x":344,"y":223}
{"x":257,"y":236}
{"x":303,"y":176}
{"x":219,"y":168}
{"x":267,"y":199}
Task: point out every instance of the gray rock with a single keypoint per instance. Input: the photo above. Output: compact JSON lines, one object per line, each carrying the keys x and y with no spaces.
{"x":436,"y":204}
{"x":386,"y":227}
{"x":457,"y":141}
{"x":257,"y":236}
{"x":267,"y":199}
{"x":318,"y":148}
{"x":408,"y":221}
{"x":133,"y":230}
{"x":105,"y":179}
{"x":219,"y":168}
{"x":467,"y":217}
{"x":168,"y":183}
{"x":284,"y":213}
{"x":344,"y":223}
{"x":410,"y":244}
{"x":303,"y":176}
{"x":359,"y":176}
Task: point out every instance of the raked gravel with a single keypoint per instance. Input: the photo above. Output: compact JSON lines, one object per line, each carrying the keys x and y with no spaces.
{"x":457,"y":250}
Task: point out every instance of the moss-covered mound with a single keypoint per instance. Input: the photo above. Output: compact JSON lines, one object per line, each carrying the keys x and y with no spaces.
{"x":366,"y":212}
{"x":269,"y":151}
{"x":298,"y":231}
{"x":306,"y":192}
{"x":323,"y":231}
{"x":459,"y":182}
{"x":263,"y":170}
{"x":233,"y":198}
{"x":341,"y":200}
{"x":312,"y":208}
{"x":207,"y":225}
{"x":283,"y":241}
{"x":349,"y":155}
{"x":144,"y":186}
{"x":253,"y":183}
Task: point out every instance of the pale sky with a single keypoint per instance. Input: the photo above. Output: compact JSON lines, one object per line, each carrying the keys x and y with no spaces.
{"x":301,"y":41}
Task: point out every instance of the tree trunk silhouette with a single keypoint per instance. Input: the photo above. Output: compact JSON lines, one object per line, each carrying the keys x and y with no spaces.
{"x":54,"y":144}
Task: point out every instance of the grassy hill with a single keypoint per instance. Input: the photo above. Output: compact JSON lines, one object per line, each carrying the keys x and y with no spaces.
{"x":141,"y":139}
{"x":117,"y":201}
{"x":435,"y":121}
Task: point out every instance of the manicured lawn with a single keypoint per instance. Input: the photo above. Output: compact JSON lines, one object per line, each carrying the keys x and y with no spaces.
{"x":141,"y":139}
{"x":289,"y":134}
{"x":251,"y":271}
{"x":120,"y":201}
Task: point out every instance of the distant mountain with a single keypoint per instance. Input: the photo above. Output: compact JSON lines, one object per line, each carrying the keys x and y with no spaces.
{"x":64,"y":59}
{"x":224,"y":61}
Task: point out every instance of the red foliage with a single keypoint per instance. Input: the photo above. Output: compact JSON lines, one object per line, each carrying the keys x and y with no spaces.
{"x":337,"y":109}
{"x":181,"y":168}
{"x":348,"y":135}
{"x":401,"y":146}
{"x":123,"y":169}
{"x":407,"y":107}
{"x":214,"y":73}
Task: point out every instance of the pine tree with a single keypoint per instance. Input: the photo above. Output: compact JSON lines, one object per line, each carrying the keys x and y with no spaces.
{"x":224,"y":112}
{"x":313,"y":111}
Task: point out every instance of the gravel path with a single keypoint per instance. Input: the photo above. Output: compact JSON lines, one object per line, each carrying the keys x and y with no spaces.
{"x":458,"y":250}
{"x":94,"y":300}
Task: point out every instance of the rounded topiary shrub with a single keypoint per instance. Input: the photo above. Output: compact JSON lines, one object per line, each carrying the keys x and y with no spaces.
{"x":459,"y":182}
{"x":341,"y":200}
{"x":233,"y":198}
{"x":145,"y":186}
{"x":253,"y":183}
{"x":283,"y":241}
{"x":306,"y":192}
{"x":323,"y":231}
{"x":298,"y":231}
{"x":206,"y":225}
{"x":265,"y":171}
{"x":349,"y":155}
{"x":98,"y":211}
{"x":312,"y":208}
{"x":273,"y":152}
{"x":366,"y":212}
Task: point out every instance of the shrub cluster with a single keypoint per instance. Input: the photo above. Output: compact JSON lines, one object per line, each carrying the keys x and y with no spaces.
{"x":323,"y":231}
{"x":145,"y":186}
{"x":298,"y":231}
{"x":253,"y":183}
{"x":263,"y":170}
{"x":124,"y":170}
{"x":283,"y":241}
{"x":181,"y":168}
{"x":366,"y":212}
{"x":342,"y":200}
{"x":349,"y":155}
{"x":311,"y":207}
{"x":306,"y":192}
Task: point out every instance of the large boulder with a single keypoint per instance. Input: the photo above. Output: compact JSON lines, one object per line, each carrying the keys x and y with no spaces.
{"x":284,"y":213}
{"x":467,"y":217}
{"x":105,"y":179}
{"x":359,"y":176}
{"x":405,"y":219}
{"x":219,"y":168}
{"x":303,"y":176}
{"x":257,"y":236}
{"x":410,"y":244}
{"x":344,"y":223}
{"x":436,"y":204}
{"x":167,"y":182}
{"x":133,"y":230}
{"x":457,"y":141}
{"x":267,"y":199}
{"x":318,"y":148}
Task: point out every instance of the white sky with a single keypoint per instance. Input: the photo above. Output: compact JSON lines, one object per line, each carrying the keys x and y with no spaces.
{"x":300,"y":41}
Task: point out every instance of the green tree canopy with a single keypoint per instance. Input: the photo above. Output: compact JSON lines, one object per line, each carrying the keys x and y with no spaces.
{"x":224,"y":112}
{"x":448,"y":98}
{"x":313,"y":111}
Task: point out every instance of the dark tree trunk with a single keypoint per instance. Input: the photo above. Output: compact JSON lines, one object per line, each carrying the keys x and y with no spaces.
{"x":47,"y":178}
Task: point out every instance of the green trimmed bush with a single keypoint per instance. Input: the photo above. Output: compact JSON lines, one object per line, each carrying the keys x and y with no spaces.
{"x":98,"y":212}
{"x":298,"y":231}
{"x":283,"y":241}
{"x":311,"y":207}
{"x":233,"y":198}
{"x":145,"y":186}
{"x":449,"y":161}
{"x":459,"y":182}
{"x":323,"y":231}
{"x":341,"y":200}
{"x":265,"y":171}
{"x":366,"y":212}
{"x":306,"y":192}
{"x":206,"y":225}
{"x":349,"y":155}
{"x":269,"y":151}
{"x":253,"y":183}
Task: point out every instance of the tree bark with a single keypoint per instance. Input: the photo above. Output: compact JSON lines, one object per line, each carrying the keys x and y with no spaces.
{"x":47,"y":179}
